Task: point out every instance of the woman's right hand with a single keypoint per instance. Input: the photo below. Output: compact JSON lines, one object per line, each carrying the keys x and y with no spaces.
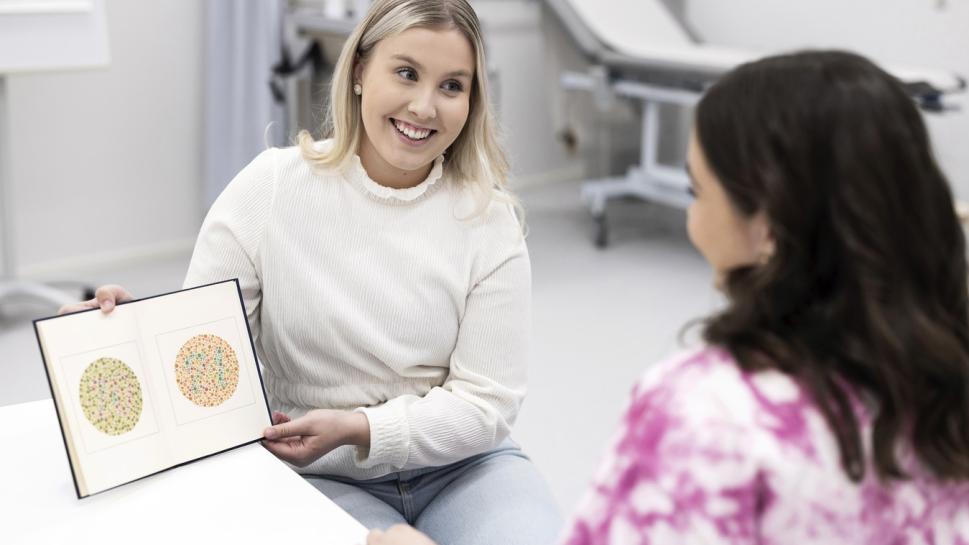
{"x":106,"y":297}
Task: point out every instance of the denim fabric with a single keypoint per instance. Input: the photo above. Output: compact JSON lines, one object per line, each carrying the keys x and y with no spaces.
{"x":495,"y":498}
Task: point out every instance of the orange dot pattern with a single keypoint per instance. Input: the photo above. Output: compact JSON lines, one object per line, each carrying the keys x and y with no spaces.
{"x":207,"y":370}
{"x":110,"y":396}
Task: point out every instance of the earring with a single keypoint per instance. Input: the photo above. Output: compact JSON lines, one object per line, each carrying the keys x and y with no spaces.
{"x":357,"y":89}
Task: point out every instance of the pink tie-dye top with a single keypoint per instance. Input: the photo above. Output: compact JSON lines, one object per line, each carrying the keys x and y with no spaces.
{"x":710,"y":454}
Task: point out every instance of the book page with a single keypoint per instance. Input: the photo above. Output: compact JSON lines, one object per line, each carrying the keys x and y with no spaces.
{"x":158,"y":382}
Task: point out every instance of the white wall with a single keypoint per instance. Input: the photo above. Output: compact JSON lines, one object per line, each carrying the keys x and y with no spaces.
{"x":105,"y":163}
{"x":926,"y":33}
{"x":529,"y":50}
{"x":516,"y":51}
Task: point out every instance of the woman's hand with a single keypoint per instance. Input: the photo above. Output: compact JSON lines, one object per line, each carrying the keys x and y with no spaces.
{"x":106,"y":297}
{"x":401,"y":534}
{"x":312,"y":435}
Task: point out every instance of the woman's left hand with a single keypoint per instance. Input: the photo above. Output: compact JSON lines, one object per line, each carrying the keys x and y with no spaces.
{"x":302,"y":441}
{"x":400,"y":534}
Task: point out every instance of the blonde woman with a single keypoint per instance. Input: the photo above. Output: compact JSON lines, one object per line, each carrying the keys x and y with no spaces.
{"x":387,"y":284}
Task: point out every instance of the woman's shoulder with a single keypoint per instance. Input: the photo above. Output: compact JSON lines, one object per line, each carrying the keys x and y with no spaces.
{"x":252,"y":186}
{"x":296,"y":158}
{"x":283,"y":171}
{"x":268,"y":164}
{"x":706,"y":385}
{"x":293,"y":160}
{"x":486,"y":214}
{"x":700,"y":367}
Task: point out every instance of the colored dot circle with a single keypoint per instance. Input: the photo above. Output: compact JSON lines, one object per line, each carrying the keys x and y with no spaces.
{"x":111,"y":396}
{"x":207,"y":370}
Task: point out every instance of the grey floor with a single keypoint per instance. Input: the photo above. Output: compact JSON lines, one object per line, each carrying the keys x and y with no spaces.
{"x":601,"y":317}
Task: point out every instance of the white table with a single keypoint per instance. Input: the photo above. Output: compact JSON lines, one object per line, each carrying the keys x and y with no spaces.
{"x":242,"y":496}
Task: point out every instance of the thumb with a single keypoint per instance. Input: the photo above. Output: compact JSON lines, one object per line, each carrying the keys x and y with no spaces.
{"x":287,"y":429}
{"x":108,"y":296}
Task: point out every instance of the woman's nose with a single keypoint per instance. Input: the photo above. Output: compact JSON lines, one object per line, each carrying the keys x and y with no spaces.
{"x":422,"y":105}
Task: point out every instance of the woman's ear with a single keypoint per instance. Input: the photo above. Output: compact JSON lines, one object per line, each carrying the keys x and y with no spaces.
{"x":357,"y":69}
{"x":761,"y":238}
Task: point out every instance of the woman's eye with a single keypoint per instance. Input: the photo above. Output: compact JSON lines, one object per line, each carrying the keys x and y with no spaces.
{"x":453,"y":86}
{"x":407,"y":73}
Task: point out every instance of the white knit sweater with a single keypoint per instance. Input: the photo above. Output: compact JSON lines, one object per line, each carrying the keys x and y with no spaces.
{"x":388,"y":301}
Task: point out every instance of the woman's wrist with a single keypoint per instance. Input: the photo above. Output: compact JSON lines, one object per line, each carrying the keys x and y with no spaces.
{"x":357,"y":429}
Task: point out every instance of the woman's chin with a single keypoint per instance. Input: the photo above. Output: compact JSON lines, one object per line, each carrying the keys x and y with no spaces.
{"x":411,"y":162}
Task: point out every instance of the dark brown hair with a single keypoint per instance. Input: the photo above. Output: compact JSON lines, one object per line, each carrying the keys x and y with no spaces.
{"x":867,"y":289}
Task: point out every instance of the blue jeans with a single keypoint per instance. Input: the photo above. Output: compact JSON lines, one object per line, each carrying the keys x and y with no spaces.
{"x":495,"y":498}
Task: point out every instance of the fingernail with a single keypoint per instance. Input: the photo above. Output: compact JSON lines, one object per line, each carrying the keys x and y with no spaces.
{"x":269,"y":433}
{"x":107,"y":305}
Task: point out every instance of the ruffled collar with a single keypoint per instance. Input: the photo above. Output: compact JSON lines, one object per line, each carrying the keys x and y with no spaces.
{"x":355,"y":174}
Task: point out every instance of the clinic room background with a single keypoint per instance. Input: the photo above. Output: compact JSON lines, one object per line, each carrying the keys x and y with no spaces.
{"x":107,"y":168}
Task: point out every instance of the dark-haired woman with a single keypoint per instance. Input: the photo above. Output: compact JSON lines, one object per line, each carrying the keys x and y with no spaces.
{"x":830,"y":404}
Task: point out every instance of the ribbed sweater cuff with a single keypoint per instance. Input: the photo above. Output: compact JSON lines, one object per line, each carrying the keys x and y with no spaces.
{"x":389,"y":437}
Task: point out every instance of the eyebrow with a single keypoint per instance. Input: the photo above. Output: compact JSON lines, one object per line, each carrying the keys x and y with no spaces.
{"x":419,"y":66}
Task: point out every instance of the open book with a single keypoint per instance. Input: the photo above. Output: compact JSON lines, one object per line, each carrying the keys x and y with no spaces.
{"x":157,"y":383}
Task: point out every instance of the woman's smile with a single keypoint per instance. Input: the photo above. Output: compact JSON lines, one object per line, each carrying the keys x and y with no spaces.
{"x":410,"y":134}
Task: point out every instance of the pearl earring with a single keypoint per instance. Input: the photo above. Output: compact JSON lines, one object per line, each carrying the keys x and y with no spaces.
{"x":357,"y":89}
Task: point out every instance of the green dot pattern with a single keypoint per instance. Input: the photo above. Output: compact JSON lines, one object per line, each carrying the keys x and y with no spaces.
{"x":110,"y":395}
{"x":207,"y":370}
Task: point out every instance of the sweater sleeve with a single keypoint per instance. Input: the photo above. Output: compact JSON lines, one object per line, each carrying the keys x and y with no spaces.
{"x":473,"y":410}
{"x":228,"y":242}
{"x":679,"y":471}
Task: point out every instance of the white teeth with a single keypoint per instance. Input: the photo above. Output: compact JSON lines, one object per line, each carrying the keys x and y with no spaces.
{"x":418,"y":134}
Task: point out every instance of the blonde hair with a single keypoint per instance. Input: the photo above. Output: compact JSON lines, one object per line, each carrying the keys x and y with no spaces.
{"x":475,"y":158}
